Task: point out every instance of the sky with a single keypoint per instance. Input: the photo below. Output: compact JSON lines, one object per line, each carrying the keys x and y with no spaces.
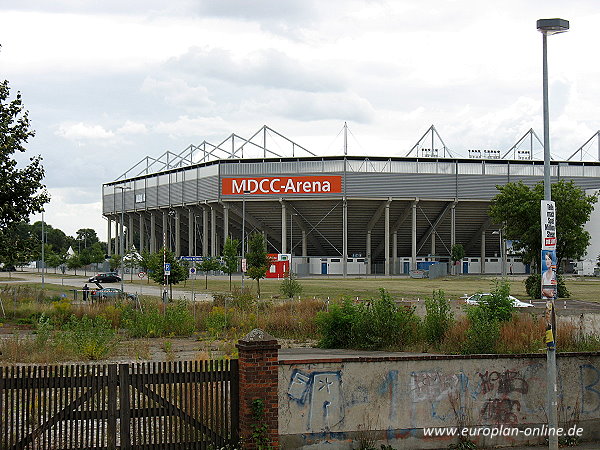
{"x":108,"y":83}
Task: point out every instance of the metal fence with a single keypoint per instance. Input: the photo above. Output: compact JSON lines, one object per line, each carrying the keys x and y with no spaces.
{"x":183,"y":404}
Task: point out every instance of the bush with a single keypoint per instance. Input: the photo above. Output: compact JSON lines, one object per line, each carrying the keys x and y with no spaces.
{"x":88,"y":337}
{"x":217,"y":321}
{"x":176,"y":320}
{"x":483,"y":332}
{"x":438,"y":317}
{"x":498,"y":306}
{"x":534,"y":289}
{"x":376,"y":325}
{"x":290,"y":285}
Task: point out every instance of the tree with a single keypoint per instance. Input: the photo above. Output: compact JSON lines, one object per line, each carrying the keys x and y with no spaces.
{"x":517,"y":206}
{"x":21,"y":190}
{"x":74,"y":262}
{"x":53,"y":260}
{"x":230,"y":257}
{"x":456,"y":254}
{"x":86,"y":236}
{"x":208,"y":265}
{"x":131,"y":260}
{"x":156,"y":268}
{"x":257,"y":259}
{"x":17,"y":244}
{"x":114,"y":262}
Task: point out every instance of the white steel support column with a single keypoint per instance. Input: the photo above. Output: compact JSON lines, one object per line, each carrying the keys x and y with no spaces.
{"x":142,"y":231}
{"x":483,"y":252}
{"x":452,"y":236}
{"x":368,"y":252}
{"x":109,"y":246}
{"x":191,"y":233}
{"x":153,"y":248}
{"x":433,"y":242}
{"x":304,"y":245}
{"x":213,"y":232}
{"x":413,"y":261}
{"x":395,"y":253}
{"x":283,"y":227}
{"x":345,"y":238}
{"x":205,"y":232}
{"x":177,"y":233}
{"x":225,"y":222}
{"x":387,"y":237}
{"x":165,"y":230}
{"x":129,"y":233}
{"x":121,"y":235}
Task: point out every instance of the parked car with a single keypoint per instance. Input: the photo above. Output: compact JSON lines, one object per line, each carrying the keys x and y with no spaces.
{"x":110,"y":293}
{"x":107,"y":277}
{"x":476,"y":298}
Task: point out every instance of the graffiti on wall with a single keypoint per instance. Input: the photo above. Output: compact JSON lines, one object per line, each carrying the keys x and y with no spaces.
{"x":590,"y":388}
{"x":321,"y":394}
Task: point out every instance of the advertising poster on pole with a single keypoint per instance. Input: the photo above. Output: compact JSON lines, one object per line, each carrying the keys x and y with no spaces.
{"x":548,"y":256}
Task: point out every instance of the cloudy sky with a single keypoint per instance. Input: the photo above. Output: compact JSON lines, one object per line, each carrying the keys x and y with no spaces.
{"x":107,"y":83}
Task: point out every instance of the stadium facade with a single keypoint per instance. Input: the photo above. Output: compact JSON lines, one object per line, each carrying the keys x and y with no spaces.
{"x":334,"y":214}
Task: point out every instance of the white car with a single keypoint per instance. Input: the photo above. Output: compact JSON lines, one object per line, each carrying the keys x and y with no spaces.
{"x":475,"y":298}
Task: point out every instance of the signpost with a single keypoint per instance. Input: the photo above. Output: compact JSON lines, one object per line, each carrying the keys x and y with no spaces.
{"x":167,"y":269}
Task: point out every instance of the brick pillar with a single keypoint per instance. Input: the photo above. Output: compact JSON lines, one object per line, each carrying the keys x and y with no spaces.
{"x":258,"y":368}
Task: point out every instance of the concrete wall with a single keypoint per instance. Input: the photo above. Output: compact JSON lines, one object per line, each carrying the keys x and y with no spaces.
{"x":338,"y":402}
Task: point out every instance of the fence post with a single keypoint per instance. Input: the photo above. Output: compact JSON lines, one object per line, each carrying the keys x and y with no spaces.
{"x":124,"y":407}
{"x":112,"y":407}
{"x":258,"y":370}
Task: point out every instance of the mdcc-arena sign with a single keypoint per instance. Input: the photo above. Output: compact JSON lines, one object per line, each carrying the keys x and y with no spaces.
{"x":282,"y":185}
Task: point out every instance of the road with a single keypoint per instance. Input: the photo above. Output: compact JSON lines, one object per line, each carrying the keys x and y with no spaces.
{"x":77,"y":282}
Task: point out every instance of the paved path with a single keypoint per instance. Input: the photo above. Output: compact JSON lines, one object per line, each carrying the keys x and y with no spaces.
{"x":77,"y":282}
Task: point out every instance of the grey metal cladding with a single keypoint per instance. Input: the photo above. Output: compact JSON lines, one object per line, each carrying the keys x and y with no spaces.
{"x":479,"y":186}
{"x":163,"y":195}
{"x":400,"y":185}
{"x":108,"y":203}
{"x":176,"y":193}
{"x":190,"y":191}
{"x":208,"y":188}
{"x":152,"y":197}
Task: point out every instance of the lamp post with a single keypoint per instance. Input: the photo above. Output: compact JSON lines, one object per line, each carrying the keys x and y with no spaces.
{"x":502,"y":252}
{"x":244,"y":230}
{"x":122,"y":237}
{"x":550,"y":27}
{"x":43,"y":263}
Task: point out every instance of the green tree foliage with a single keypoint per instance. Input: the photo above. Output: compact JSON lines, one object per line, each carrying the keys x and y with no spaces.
{"x":533,"y":286}
{"x":179,"y":270}
{"x":290,"y":286}
{"x":209,"y":265}
{"x":230,"y":257}
{"x":86,"y":237}
{"x":457,"y":253}
{"x":376,"y":325}
{"x":18,"y":245}
{"x":74,"y":262}
{"x":438,"y":317}
{"x":257,"y":259}
{"x":486,"y":318}
{"x":21,"y":190}
{"x":54,"y":260}
{"x":518,"y":207}
{"x":114,"y":262}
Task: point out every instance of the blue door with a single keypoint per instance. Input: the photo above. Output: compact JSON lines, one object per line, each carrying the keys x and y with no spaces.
{"x":465,"y":267}
{"x":406,"y":267}
{"x":324,"y":268}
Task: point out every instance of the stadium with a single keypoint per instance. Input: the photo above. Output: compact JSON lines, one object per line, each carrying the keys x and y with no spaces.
{"x":343,"y":215}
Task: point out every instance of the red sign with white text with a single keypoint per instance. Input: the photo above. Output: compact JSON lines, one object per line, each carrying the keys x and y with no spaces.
{"x":282,"y":185}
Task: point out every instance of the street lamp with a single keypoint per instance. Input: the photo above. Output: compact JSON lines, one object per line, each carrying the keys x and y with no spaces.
{"x":550,"y":27}
{"x":243,"y":231}
{"x":122,"y":237}
{"x":502,"y":252}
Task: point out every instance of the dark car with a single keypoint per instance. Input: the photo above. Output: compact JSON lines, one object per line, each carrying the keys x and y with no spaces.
{"x":107,"y":277}
{"x":110,"y":293}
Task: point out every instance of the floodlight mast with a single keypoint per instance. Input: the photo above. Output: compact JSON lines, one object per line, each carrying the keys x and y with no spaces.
{"x":550,"y":27}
